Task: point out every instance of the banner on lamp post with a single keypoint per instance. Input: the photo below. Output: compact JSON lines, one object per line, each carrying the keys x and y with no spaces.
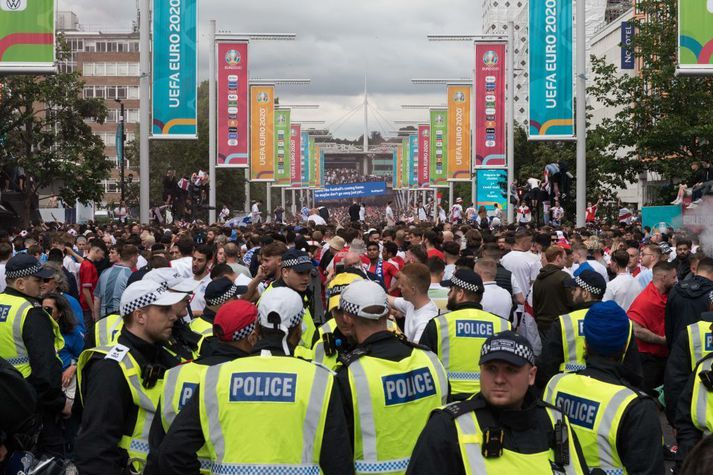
{"x":551,"y":71}
{"x":424,"y":156}
{"x":439,"y":147}
{"x":459,"y":151}
{"x":27,"y":36}
{"x":492,"y":188}
{"x":405,"y":165}
{"x":313,"y":157}
{"x":283,"y":140}
{"x":489,"y":90}
{"x":695,"y":37}
{"x":175,"y":78}
{"x":295,"y":155}
{"x":413,"y":161}
{"x":262,"y":133}
{"x":232,"y":104}
{"x":305,"y":160}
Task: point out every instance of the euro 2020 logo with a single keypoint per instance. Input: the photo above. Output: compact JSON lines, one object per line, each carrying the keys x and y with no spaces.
{"x":263,"y":97}
{"x":459,"y":97}
{"x":490,"y":58}
{"x":232,"y":57}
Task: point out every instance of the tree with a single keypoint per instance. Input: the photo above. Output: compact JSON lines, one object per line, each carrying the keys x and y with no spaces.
{"x":44,"y":134}
{"x":663,"y":122}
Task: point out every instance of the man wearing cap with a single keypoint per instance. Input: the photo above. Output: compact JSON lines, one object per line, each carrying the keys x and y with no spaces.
{"x":296,"y":274}
{"x":217,"y":293}
{"x":503,"y":429}
{"x":458,"y":336}
{"x":563,"y":348}
{"x":234,"y":327}
{"x":120,"y":386}
{"x":617,"y":425}
{"x":252,"y":412}
{"x":389,"y":385}
{"x":30,"y":340}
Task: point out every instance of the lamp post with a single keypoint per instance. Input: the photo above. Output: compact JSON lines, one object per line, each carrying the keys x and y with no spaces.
{"x":120,"y":138}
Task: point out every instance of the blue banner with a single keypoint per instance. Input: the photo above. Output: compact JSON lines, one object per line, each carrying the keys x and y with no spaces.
{"x":350,"y":191}
{"x":304,"y":155}
{"x":551,"y":70}
{"x":491,"y":189}
{"x":627,"y":52}
{"x":412,"y":161}
{"x":396,"y":171}
{"x":662,"y":217}
{"x":174,"y":69}
{"x":120,"y":141}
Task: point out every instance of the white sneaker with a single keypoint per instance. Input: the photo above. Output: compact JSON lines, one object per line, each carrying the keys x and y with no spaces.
{"x":677,"y":201}
{"x":698,"y":201}
{"x":692,"y":206}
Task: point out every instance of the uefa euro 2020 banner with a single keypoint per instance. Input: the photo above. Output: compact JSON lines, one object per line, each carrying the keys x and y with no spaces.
{"x":232,"y":104}
{"x":282,"y":147}
{"x":551,"y":75}
{"x":27,"y":36}
{"x":413,"y":160}
{"x":262,"y":133}
{"x":304,"y":158}
{"x":174,"y":69}
{"x":439,"y":147}
{"x":695,"y":37}
{"x":489,"y":90}
{"x":459,"y":133}
{"x":424,"y":156}
{"x":295,"y":155}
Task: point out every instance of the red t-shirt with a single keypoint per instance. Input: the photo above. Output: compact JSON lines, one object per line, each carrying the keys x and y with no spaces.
{"x":437,"y":253}
{"x":648,"y":310}
{"x":591,"y":214}
{"x":388,"y":270}
{"x":88,"y":278}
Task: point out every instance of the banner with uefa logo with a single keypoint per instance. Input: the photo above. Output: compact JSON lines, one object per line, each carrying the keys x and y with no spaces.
{"x":551,"y":70}
{"x":295,"y":155}
{"x":27,"y":36}
{"x":490,"y":88}
{"x":175,"y":81}
{"x":283,"y":173}
{"x":459,"y":132}
{"x":262,"y":133}
{"x":695,"y":37}
{"x":439,"y":147}
{"x":232,"y":104}
{"x":424,"y":156}
{"x":304,"y":154}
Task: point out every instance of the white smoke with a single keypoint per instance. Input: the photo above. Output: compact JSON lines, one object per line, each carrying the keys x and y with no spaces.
{"x":699,"y":221}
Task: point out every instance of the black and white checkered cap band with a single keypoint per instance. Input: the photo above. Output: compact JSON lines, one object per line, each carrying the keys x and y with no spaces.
{"x":244,"y":332}
{"x":349,"y":307}
{"x":464,"y":285}
{"x":23,"y":272}
{"x":508,"y":346}
{"x":143,"y":301}
{"x":296,"y":319}
{"x":220,"y":300}
{"x":296,"y":262}
{"x":589,"y":288}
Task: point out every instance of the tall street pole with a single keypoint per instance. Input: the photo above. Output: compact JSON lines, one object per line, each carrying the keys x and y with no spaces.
{"x":212,"y":126}
{"x":120,"y":148}
{"x":144,"y":105}
{"x":511,"y":117}
{"x":581,"y":113}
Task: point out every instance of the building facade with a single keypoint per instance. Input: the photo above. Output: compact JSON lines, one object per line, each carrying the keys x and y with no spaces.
{"x":108,"y":61}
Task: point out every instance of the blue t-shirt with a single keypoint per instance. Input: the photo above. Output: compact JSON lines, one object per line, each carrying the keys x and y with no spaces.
{"x":73,"y":346}
{"x":76,"y":310}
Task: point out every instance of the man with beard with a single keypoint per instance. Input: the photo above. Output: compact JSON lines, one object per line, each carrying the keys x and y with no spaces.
{"x":202,"y":257}
{"x":457,"y":337}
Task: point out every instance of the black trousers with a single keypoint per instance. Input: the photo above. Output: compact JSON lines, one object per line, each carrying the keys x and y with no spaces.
{"x":653,"y":367}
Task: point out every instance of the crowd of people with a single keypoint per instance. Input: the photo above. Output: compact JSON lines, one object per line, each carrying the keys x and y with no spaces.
{"x":341,"y":176}
{"x":356,"y":343}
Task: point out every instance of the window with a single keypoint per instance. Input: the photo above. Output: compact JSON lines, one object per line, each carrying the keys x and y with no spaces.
{"x":122,"y":69}
{"x":88,"y":69}
{"x":121,"y":92}
{"x":133,"y":92}
{"x":88,"y":92}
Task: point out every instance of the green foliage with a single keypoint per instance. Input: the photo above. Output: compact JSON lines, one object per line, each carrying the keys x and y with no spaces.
{"x":663,"y":122}
{"x":44,"y":130}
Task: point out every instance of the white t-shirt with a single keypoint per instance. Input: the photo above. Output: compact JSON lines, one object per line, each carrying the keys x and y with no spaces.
{"x":416,"y":320}
{"x":198,"y":300}
{"x":389,"y":216}
{"x":524,"y":267}
{"x":623,"y":289}
{"x":3,"y":283}
{"x":318,"y":220}
{"x":362,"y":213}
{"x":496,"y":300}
{"x":456,"y":212}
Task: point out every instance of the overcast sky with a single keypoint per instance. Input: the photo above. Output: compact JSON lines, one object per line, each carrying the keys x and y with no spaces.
{"x":337,"y":43}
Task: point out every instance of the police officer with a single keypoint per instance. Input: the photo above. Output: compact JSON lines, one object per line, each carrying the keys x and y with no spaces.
{"x":563,"y":346}
{"x":694,"y":410}
{"x":617,"y":425}
{"x":332,"y":341}
{"x":234,"y":328}
{"x":503,"y":429}
{"x":217,"y":293}
{"x":266,"y":413}
{"x":389,"y":385}
{"x":120,"y":386}
{"x":296,"y":273}
{"x":29,"y":341}
{"x":458,"y":336}
{"x":687,"y":350}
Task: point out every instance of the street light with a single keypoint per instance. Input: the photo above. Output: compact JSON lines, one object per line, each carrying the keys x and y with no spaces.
{"x":120,"y":138}
{"x":281,"y":82}
{"x":440,"y":81}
